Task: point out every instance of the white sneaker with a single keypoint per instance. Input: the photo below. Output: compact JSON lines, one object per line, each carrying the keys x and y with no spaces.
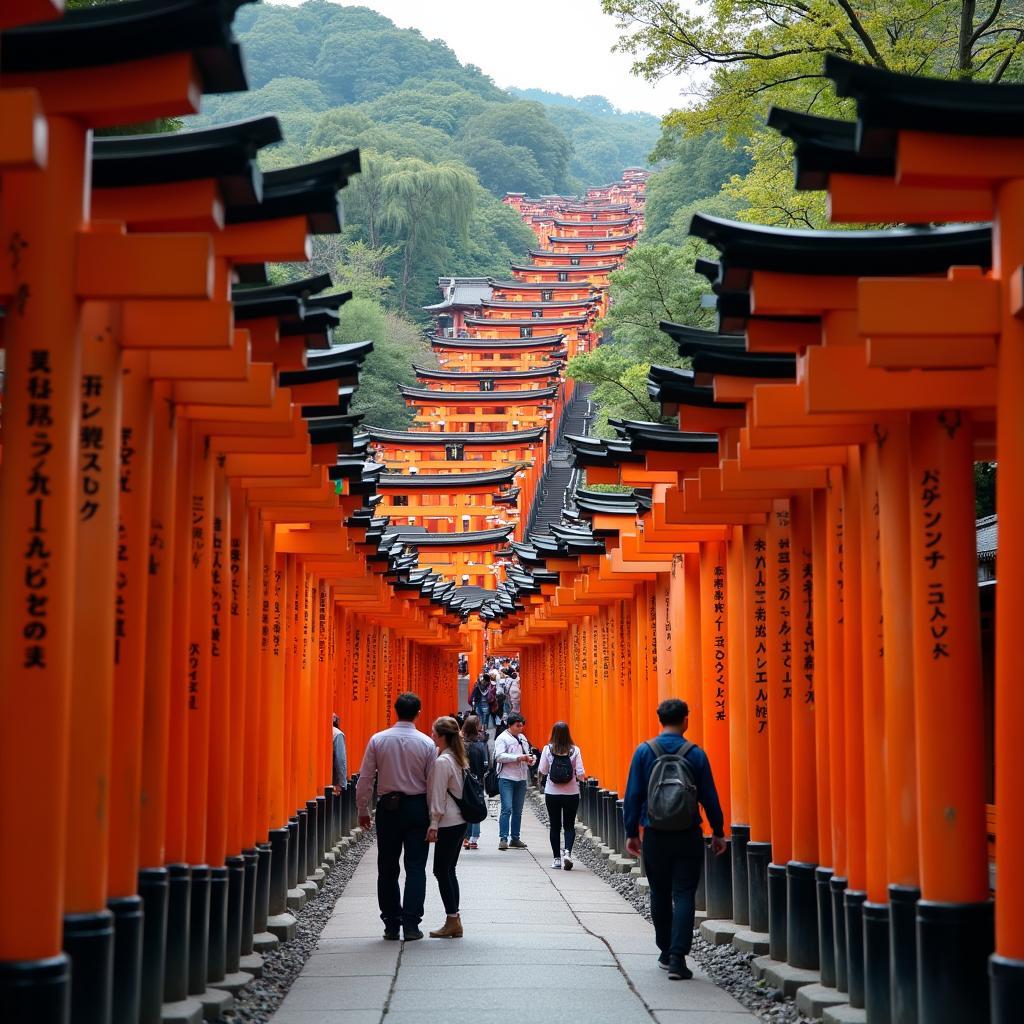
{"x":557,"y":863}
{"x":566,"y":861}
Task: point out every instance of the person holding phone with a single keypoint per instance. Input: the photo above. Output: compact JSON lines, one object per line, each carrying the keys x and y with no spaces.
{"x":513,"y":758}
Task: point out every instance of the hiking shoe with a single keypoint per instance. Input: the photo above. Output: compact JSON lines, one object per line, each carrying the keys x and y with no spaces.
{"x":567,"y":861}
{"x":503,"y":844}
{"x":663,"y":961}
{"x":473,"y":845}
{"x":557,"y":864}
{"x":518,"y":844}
{"x":678,"y":971}
{"x":412,"y":934}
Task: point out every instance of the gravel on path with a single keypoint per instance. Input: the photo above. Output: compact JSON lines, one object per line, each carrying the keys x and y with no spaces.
{"x":258,"y":1002}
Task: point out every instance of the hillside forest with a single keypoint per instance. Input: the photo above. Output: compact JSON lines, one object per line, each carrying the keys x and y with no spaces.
{"x":440,"y":144}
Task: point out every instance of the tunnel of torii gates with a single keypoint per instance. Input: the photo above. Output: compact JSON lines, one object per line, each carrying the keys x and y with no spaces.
{"x":193,"y":574}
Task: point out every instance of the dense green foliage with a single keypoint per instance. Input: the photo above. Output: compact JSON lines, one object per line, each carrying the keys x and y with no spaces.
{"x":439,"y":143}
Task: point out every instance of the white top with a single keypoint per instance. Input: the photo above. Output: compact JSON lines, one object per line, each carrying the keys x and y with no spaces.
{"x":507,"y":750}
{"x":445,"y":776}
{"x":570,"y":788}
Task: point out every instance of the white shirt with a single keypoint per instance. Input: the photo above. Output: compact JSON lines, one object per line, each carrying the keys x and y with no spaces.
{"x":570,"y":788}
{"x":446,"y":782}
{"x":507,"y":750}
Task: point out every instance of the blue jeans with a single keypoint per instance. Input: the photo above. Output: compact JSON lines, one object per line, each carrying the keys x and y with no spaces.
{"x":673,"y":861}
{"x":473,"y":831}
{"x":483,"y":712}
{"x":513,"y":796}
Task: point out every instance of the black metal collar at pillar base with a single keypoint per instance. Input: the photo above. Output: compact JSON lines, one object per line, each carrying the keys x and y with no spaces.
{"x":877,"y":982}
{"x":853,"y":911}
{"x":36,"y":990}
{"x":179,"y":898}
{"x":89,"y":941}
{"x":235,"y":914}
{"x":261,"y":902}
{"x":718,"y":875}
{"x":801,"y":915}
{"x":280,"y":840}
{"x":758,"y":857}
{"x":826,"y":935}
{"x":778,"y":908}
{"x":199,"y":929}
{"x":903,"y":952}
{"x":251,"y":859}
{"x":740,"y":888}
{"x":153,"y":888}
{"x":1007,"y":986}
{"x":312,"y":856}
{"x":954,"y":941}
{"x":321,"y":828}
{"x":128,"y":924}
{"x":217,"y":950}
{"x":836,"y":888}
{"x":293,"y":852}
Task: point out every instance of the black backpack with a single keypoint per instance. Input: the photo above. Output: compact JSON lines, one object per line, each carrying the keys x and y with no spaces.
{"x":472,"y":803}
{"x":672,"y":790}
{"x":561,"y":770}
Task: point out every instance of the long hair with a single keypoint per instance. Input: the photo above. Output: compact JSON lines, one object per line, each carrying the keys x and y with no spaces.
{"x":561,"y":739}
{"x":447,"y":727}
{"x":471,"y":728}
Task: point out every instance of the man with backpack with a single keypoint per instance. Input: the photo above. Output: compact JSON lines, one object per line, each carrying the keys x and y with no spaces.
{"x":669,"y":781}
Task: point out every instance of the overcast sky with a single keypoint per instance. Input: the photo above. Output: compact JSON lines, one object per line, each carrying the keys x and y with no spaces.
{"x":521,"y":43}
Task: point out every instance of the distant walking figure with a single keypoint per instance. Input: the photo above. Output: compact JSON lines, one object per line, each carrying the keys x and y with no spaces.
{"x":447,"y":825}
{"x":562,"y":764}
{"x":513,"y":758}
{"x":476,"y":753}
{"x":668,"y":777}
{"x":339,"y":772}
{"x":400,"y":758}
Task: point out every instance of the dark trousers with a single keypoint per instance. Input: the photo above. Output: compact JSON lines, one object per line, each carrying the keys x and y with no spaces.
{"x":562,"y":810}
{"x":446,"y":857}
{"x":402,"y":830}
{"x":673,"y":861}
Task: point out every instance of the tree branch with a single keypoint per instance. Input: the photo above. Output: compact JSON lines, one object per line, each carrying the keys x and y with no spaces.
{"x":862,"y":33}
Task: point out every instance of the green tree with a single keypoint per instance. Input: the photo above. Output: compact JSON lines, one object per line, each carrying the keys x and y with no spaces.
{"x":525,"y":125}
{"x":419,"y":198}
{"x":751,"y":54}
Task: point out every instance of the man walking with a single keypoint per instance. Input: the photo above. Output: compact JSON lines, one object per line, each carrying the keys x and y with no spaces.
{"x":513,"y":760}
{"x":400,"y":759}
{"x":339,"y":773}
{"x":668,"y":778}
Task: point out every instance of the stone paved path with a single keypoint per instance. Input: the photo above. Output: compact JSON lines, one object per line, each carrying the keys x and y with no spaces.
{"x":558,"y":947}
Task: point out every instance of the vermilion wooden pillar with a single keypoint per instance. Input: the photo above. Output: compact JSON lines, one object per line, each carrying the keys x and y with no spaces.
{"x":954,"y":915}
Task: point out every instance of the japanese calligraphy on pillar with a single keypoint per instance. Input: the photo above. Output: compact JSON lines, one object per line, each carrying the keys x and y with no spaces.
{"x":931,"y":497}
{"x":759,"y":592}
{"x":39,"y":424}
{"x":625,"y":646}
{"x":217,"y":588}
{"x":265,"y":610}
{"x":125,"y":486}
{"x":807,"y":626}
{"x":652,"y":612}
{"x":784,"y":599}
{"x":718,"y":643}
{"x":354,"y":641}
{"x":91,"y":445}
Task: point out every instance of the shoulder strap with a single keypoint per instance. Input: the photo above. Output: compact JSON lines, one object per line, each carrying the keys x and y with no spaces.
{"x":656,"y":747}
{"x":686,"y":748}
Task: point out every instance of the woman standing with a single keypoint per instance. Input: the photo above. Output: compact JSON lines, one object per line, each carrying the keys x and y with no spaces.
{"x":562,"y":764}
{"x":514,"y":692}
{"x":476,"y":754}
{"x":447,"y":825}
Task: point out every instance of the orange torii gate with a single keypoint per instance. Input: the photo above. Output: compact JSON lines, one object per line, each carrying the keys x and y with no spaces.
{"x":175,"y":438}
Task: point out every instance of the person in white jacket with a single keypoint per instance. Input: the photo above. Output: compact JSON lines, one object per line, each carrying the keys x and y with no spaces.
{"x":513,"y":758}
{"x":562,"y":797}
{"x":447,"y":825}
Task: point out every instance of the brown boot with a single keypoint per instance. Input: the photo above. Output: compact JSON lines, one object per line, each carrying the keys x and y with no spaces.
{"x":452,"y":928}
